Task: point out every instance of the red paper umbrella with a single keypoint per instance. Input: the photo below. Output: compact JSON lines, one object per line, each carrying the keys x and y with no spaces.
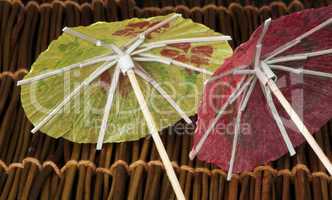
{"x":270,"y":95}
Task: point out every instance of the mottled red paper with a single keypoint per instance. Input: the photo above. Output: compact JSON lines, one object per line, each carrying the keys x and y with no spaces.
{"x":260,"y":141}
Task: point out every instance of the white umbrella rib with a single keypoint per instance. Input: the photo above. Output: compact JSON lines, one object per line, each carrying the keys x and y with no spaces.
{"x":153,"y":28}
{"x":301,"y":71}
{"x":76,"y":91}
{"x":82,"y":36}
{"x":237,"y":70}
{"x":161,"y":24}
{"x":237,"y":130}
{"x":297,"y":40}
{"x":169,"y":61}
{"x":242,"y":89}
{"x":136,"y":44}
{"x":91,"y":40}
{"x":300,"y":56}
{"x":259,"y":42}
{"x":189,"y":40}
{"x":142,"y":50}
{"x":277,"y":119}
{"x":147,"y":59}
{"x":193,"y":153}
{"x":164,"y":94}
{"x":84,"y":63}
{"x":108,"y":107}
{"x":248,"y":95}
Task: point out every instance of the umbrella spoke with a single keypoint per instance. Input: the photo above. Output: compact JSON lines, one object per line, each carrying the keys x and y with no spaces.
{"x":237,"y":91}
{"x":235,"y":96}
{"x":259,"y":42}
{"x":235,"y":70}
{"x":237,"y":129}
{"x":82,"y":36}
{"x":153,"y":28}
{"x":146,"y":59}
{"x":155,"y":135}
{"x":142,"y":50}
{"x":243,"y":71}
{"x":278,"y":120}
{"x":91,"y":40}
{"x":161,"y":24}
{"x":234,"y":144}
{"x":300,"y":56}
{"x":85,"y":63}
{"x":136,"y":44}
{"x":153,"y":45}
{"x":76,"y":91}
{"x":301,"y":71}
{"x":164,"y":94}
{"x":169,"y":61}
{"x":108,"y":107}
{"x":189,"y":40}
{"x":297,"y":40}
{"x":248,"y":95}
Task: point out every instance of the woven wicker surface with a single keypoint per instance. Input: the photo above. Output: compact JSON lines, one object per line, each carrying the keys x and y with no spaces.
{"x":38,"y":166}
{"x":27,"y":30}
{"x":196,"y":3}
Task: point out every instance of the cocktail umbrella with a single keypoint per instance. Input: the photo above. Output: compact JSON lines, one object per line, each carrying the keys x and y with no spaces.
{"x":94,"y":68}
{"x":251,"y":107}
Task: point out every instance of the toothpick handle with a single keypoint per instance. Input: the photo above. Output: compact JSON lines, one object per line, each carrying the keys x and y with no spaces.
{"x":155,"y":136}
{"x":300,"y":125}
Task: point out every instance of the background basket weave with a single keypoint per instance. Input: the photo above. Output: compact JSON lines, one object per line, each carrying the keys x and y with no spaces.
{"x":40,"y":167}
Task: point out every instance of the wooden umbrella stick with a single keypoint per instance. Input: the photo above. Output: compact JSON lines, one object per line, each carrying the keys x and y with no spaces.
{"x":155,"y":135}
{"x":300,"y":125}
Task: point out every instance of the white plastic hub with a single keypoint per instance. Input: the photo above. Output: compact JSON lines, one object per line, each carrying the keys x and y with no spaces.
{"x":125,"y":63}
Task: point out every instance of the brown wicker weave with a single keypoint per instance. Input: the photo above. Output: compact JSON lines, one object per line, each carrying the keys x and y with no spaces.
{"x":197,"y":3}
{"x":40,"y":167}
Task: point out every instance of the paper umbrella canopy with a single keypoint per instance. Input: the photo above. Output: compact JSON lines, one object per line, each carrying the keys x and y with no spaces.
{"x":270,"y":96}
{"x":98,"y":83}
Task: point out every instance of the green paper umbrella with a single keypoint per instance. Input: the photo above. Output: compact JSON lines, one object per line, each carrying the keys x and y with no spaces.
{"x":97,"y":84}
